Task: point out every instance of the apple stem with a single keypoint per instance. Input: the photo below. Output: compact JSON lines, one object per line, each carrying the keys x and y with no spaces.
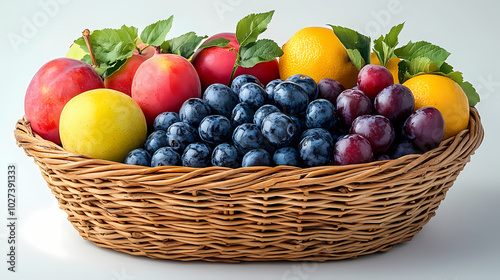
{"x":232,"y":73}
{"x":238,"y":58}
{"x":158,"y":49}
{"x":86,"y":37}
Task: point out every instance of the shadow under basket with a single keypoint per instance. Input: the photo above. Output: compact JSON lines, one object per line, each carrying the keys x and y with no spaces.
{"x":253,"y":213}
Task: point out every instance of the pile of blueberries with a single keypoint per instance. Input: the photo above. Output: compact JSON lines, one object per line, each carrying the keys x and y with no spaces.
{"x":294,"y":122}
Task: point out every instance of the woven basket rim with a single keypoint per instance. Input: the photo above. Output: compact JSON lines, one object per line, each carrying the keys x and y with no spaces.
{"x":25,"y":136}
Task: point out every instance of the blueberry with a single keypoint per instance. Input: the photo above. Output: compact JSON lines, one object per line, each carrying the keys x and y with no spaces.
{"x":252,"y":94}
{"x":383,"y":157}
{"x":307,"y":83}
{"x":193,"y":111}
{"x":138,"y":156}
{"x":290,"y":98}
{"x":321,"y":132}
{"x":164,"y":120}
{"x":315,"y":150}
{"x":321,"y":113}
{"x":226,"y":155}
{"x":156,"y":140}
{"x":221,"y":99}
{"x":196,"y":155}
{"x":165,"y":156}
{"x":256,"y":157}
{"x":339,"y":131}
{"x":262,"y":112}
{"x":286,"y":156}
{"x":240,"y":80}
{"x":300,"y":121}
{"x":247,"y":137}
{"x":241,"y":114}
{"x":215,"y":129}
{"x":279,"y":129}
{"x":180,"y":134}
{"x":403,"y":148}
{"x":270,"y":89}
{"x":300,"y":125}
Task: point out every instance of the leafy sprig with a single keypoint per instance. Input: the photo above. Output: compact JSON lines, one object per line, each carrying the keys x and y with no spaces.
{"x":384,"y":46}
{"x":112,"y":47}
{"x":416,"y":57}
{"x":251,"y":50}
{"x":423,"y":58}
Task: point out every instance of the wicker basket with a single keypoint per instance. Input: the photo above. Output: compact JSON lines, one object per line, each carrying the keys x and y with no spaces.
{"x":253,"y":213}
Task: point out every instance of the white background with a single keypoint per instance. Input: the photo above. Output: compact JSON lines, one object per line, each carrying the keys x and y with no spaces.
{"x":460,"y":242}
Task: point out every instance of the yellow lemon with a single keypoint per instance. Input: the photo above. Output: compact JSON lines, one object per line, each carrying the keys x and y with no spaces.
{"x":317,"y":53}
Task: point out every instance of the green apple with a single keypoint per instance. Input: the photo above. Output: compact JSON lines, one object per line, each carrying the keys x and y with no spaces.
{"x":103,"y":124}
{"x":76,"y":52}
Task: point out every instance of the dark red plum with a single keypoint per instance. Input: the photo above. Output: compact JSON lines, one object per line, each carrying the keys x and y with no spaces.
{"x":425,"y":128}
{"x":372,"y":79}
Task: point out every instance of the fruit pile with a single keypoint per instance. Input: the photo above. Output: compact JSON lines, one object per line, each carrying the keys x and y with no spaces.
{"x":295,"y":122}
{"x":329,"y":100}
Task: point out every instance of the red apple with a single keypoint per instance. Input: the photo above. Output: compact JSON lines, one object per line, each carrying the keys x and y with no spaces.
{"x":121,"y":80}
{"x":214,"y":65}
{"x":51,"y":88}
{"x":162,"y":83}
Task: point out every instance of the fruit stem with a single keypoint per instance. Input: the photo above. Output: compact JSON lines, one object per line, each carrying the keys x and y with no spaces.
{"x":235,"y":66}
{"x":86,"y":37}
{"x":232,"y":73}
{"x":158,"y":49}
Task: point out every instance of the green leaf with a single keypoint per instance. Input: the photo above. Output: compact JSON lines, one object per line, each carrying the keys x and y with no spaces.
{"x":423,"y":49}
{"x":406,"y":51}
{"x":132,"y":32}
{"x":356,"y":58}
{"x":184,"y":45}
{"x":217,"y":42}
{"x":422,"y":65}
{"x":155,"y":33}
{"x":165,"y":47}
{"x":383,"y":52}
{"x":391,"y":38}
{"x":108,"y":70}
{"x":403,"y":68}
{"x":455,"y":76}
{"x":355,"y":41}
{"x":410,"y":68}
{"x":258,"y":51}
{"x":109,"y":47}
{"x":88,"y":60}
{"x":384,"y":46}
{"x":471,"y":93}
{"x":251,"y":26}
{"x":446,"y":68}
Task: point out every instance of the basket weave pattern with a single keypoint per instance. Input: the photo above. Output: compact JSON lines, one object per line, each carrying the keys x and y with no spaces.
{"x":254,"y":213}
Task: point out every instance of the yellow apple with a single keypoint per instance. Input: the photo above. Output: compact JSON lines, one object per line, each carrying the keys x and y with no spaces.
{"x":103,"y":124}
